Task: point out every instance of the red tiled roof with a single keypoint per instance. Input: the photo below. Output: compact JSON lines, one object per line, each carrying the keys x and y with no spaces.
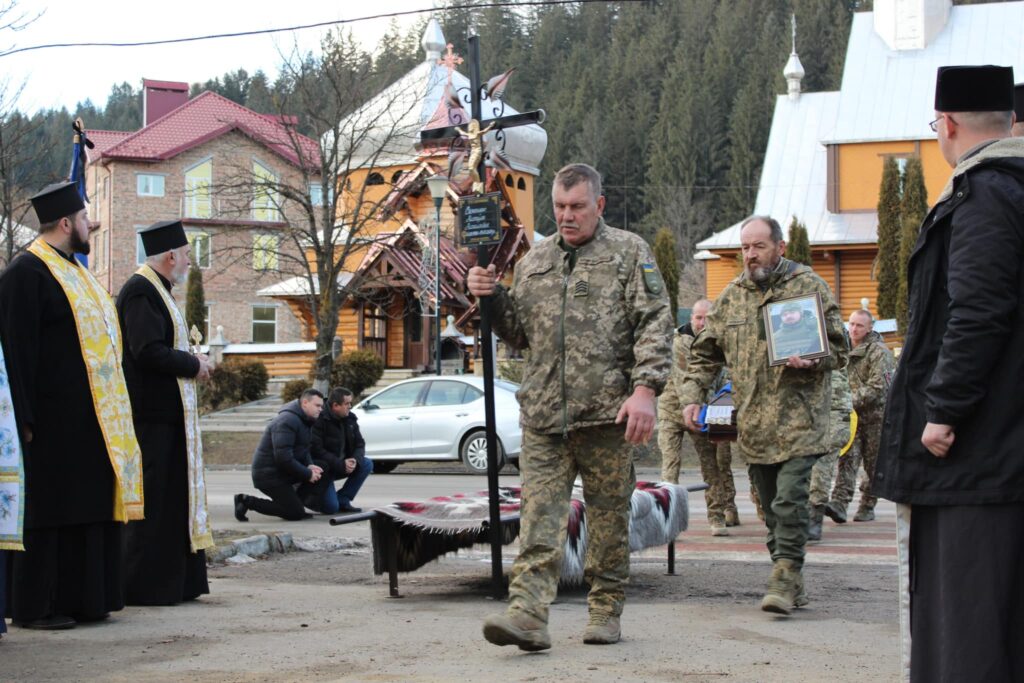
{"x":204,"y":118}
{"x":105,"y":139}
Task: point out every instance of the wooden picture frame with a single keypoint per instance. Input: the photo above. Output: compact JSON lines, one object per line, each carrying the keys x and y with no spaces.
{"x":803,"y":335}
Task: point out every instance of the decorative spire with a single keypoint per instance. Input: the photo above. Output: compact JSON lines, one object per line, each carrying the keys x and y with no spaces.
{"x":433,"y":41}
{"x":794,"y":71}
{"x":450,"y":61}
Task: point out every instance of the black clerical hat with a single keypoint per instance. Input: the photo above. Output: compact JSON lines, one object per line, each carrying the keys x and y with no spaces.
{"x":163,"y":236}
{"x":974,"y":88}
{"x":1018,"y":101}
{"x":56,"y":201}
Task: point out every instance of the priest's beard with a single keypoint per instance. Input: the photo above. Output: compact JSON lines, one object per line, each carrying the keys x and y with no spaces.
{"x":78,"y":245}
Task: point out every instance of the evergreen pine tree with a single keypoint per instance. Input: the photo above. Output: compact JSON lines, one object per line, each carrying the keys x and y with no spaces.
{"x":887,"y":265}
{"x":668,"y":264}
{"x":195,"y":302}
{"x":912,"y":212}
{"x":798,"y":248}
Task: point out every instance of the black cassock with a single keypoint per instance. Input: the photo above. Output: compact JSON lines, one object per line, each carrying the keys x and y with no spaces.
{"x":160,"y":567}
{"x":72,"y":560}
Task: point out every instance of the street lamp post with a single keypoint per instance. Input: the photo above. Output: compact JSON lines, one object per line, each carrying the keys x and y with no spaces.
{"x":438,"y":185}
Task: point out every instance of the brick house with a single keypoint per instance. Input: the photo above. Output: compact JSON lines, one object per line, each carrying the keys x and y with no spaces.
{"x":195,"y":160}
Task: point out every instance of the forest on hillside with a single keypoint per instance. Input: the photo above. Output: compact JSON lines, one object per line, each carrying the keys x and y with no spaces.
{"x":670,"y":99}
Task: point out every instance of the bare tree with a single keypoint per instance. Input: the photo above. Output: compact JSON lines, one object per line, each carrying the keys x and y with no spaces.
{"x":329,"y":208}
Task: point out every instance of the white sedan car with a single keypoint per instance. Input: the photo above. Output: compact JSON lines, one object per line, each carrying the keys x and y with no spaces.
{"x":438,"y":418}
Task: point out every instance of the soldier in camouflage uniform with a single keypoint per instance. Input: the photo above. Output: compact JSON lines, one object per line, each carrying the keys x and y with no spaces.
{"x":782,"y":410}
{"x":871,"y":368}
{"x":590,"y":306}
{"x":715,"y":459}
{"x":824,"y":469}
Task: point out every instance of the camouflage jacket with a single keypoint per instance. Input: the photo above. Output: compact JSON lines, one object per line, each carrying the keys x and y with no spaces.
{"x":596,"y":321}
{"x":871,"y":368}
{"x":782,"y":412}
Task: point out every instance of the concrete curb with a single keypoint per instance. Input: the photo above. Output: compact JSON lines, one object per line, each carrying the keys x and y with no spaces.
{"x":250,"y":548}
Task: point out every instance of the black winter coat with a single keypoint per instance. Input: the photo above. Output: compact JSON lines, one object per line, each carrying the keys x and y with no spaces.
{"x":152,"y":365}
{"x":282,"y":456}
{"x":335,"y":439}
{"x":963,"y":360}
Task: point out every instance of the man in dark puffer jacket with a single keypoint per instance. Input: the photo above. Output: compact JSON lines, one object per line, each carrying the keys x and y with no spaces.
{"x":282,"y":466}
{"x":339,"y":447}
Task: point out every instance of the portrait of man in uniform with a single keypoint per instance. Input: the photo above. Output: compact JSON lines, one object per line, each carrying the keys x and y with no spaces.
{"x":795,"y":328}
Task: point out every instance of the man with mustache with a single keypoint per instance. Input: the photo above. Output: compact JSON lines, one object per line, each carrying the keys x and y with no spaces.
{"x":783,"y":410}
{"x":165,"y":553}
{"x":591,"y":307}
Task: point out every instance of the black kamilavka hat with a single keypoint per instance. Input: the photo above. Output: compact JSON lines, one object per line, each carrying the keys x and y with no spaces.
{"x":56,"y":201}
{"x":163,"y":236}
{"x":974,"y":88}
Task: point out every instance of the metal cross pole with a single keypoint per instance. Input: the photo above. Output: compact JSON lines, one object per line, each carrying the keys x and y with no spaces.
{"x":483,"y":257}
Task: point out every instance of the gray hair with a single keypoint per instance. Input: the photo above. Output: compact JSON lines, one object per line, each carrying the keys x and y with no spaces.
{"x":986,"y":121}
{"x":773,"y":225}
{"x":572,"y":175}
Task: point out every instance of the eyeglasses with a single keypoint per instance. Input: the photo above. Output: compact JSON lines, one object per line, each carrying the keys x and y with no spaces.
{"x":934,"y":125}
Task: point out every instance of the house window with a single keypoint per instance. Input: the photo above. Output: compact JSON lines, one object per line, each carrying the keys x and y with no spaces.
{"x":316,"y":194}
{"x":509,"y":182}
{"x":264,"y":194}
{"x":264,"y":324}
{"x":147,"y":185}
{"x":264,"y":252}
{"x":198,"y":180}
{"x":396,"y":176}
{"x":200,"y":242}
{"x":375,"y":179}
{"x":521,"y":184}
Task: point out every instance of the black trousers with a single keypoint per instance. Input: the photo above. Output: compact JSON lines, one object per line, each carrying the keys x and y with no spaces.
{"x":286,"y":501}
{"x":967,"y":593}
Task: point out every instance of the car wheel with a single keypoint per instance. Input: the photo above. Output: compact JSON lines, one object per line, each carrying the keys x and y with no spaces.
{"x":474,"y":452}
{"x":384,"y":466}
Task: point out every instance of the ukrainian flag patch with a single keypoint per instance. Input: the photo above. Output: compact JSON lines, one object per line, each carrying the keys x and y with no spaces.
{"x":652,"y":279}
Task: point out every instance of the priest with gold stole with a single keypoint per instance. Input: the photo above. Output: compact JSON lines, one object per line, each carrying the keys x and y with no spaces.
{"x":82,"y":466}
{"x":165,"y":559}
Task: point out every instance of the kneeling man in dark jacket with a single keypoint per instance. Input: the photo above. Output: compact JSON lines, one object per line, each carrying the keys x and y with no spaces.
{"x":338,"y":444}
{"x":282,"y":466}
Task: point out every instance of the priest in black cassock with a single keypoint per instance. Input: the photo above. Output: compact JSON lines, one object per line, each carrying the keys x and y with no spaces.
{"x":165,"y":558}
{"x":82,"y":467}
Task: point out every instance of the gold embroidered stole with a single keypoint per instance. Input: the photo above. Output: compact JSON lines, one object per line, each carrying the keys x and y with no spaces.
{"x":99,"y":338}
{"x":12,"y":473}
{"x":199,"y":521}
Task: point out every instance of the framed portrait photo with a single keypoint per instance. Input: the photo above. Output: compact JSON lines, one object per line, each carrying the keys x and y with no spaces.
{"x":795,"y":327}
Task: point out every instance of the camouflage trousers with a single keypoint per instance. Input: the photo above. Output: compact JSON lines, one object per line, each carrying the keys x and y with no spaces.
{"x":822,"y":474}
{"x":783,"y":487}
{"x":863,"y":452}
{"x":670,"y":442}
{"x":549,"y":464}
{"x":716,"y":469}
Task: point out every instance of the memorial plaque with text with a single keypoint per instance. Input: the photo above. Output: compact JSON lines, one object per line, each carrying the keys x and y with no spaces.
{"x":480,"y":220}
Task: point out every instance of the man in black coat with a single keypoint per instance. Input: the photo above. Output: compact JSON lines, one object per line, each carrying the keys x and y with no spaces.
{"x":282,"y":466}
{"x":51,"y":308}
{"x":165,"y":556}
{"x":338,"y":444}
{"x":950,"y":450}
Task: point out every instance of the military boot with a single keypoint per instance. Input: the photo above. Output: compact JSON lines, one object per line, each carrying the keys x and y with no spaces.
{"x":718,"y":526}
{"x":732,"y":517}
{"x":801,"y":595}
{"x":783,"y":588}
{"x":602,"y":629}
{"x":817,"y":516}
{"x":836,"y":512}
{"x":865,"y":513}
{"x":517,"y":628}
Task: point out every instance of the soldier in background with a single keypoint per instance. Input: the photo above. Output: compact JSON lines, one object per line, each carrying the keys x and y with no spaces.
{"x":591,"y":307}
{"x":782,"y":410}
{"x":870,"y":371}
{"x":824,"y":469}
{"x":715,"y":459}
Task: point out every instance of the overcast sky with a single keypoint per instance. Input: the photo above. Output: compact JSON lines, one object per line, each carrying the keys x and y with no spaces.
{"x":59,"y":77}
